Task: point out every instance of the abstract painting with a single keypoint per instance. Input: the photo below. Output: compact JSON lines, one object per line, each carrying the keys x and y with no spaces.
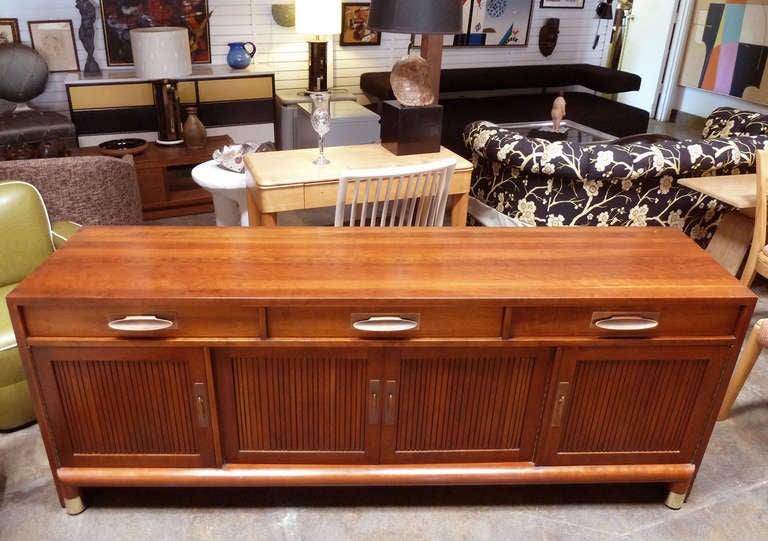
{"x":119,"y":16}
{"x":491,"y":23}
{"x":727,"y":49}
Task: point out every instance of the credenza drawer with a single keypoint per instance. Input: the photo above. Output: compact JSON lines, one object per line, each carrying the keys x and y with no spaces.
{"x":379,"y":321}
{"x":145,"y":320}
{"x":621,"y":320}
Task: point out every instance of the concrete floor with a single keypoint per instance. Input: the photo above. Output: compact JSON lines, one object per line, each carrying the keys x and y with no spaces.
{"x":729,"y":500}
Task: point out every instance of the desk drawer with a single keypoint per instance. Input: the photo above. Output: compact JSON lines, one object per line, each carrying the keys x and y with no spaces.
{"x":429,"y":322}
{"x":620,"y":321}
{"x":187,"y":321}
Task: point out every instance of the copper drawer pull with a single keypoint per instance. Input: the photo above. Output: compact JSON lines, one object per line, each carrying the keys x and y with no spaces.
{"x":140,"y":323}
{"x":385,"y":324}
{"x":626,"y":323}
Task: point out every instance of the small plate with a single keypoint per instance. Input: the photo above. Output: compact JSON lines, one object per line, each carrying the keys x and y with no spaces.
{"x":121,"y":147}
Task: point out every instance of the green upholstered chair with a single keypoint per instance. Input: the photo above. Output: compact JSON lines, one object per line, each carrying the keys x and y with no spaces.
{"x":26,"y":239}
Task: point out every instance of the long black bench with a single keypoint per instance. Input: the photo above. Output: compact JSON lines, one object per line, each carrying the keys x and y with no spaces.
{"x":525,"y":94}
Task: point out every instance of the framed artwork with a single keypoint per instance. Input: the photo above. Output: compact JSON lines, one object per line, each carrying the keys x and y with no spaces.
{"x":120,"y":16}
{"x":499,"y":23}
{"x":563,"y":4}
{"x":9,"y":31}
{"x":727,"y":49}
{"x":55,"y":41}
{"x":354,"y":25}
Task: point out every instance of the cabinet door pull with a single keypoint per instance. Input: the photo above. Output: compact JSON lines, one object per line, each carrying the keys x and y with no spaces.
{"x":385,"y":324}
{"x":560,"y":399}
{"x":626,"y":323}
{"x":390,"y":397}
{"x":140,"y":323}
{"x":374,"y":386}
{"x":201,"y":404}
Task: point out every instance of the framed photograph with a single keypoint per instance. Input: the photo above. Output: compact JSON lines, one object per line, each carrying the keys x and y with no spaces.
{"x":9,"y":31}
{"x":354,"y":25}
{"x":119,"y":16}
{"x":496,"y":24}
{"x":55,"y":41}
{"x":568,"y":4}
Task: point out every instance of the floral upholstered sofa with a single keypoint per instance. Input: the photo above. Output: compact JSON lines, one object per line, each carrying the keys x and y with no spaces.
{"x":533,"y":181}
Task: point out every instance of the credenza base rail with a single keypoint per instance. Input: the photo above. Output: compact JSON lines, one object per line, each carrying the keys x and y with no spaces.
{"x":678,"y":476}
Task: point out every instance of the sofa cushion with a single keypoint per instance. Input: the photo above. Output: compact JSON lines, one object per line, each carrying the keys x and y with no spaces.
{"x":601,"y":184}
{"x":597,"y":78}
{"x":728,"y":121}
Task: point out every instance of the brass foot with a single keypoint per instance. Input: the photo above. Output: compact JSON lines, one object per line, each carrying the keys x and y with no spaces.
{"x":74,"y":506}
{"x":675,"y":500}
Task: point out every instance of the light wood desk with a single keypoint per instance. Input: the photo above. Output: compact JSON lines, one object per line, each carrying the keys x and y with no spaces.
{"x":731,"y":241}
{"x":288,"y":180}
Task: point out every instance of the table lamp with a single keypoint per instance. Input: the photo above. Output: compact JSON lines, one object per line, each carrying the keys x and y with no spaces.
{"x":414,"y":126}
{"x":318,"y":17}
{"x":162,"y":54}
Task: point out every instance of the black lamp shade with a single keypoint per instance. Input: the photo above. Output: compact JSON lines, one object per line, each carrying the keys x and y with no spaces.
{"x":416,"y":16}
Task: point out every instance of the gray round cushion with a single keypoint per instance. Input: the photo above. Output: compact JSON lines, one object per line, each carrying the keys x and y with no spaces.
{"x":23,"y":72}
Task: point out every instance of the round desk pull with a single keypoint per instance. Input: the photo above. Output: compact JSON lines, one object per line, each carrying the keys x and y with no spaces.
{"x":385,"y":324}
{"x":626,"y":323}
{"x":140,"y":323}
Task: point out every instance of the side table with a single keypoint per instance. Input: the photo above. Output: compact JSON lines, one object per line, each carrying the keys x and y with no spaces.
{"x":286,"y":104}
{"x":165,"y":181}
{"x":228,"y":191}
{"x":351,"y":124}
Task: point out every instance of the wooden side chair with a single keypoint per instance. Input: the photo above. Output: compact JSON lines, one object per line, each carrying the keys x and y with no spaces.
{"x":412,"y":195}
{"x":757,"y":263}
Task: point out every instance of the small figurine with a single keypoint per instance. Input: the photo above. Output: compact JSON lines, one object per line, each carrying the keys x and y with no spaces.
{"x":558,"y":112}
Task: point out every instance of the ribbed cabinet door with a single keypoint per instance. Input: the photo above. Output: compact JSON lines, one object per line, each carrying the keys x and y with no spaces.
{"x":111,"y":406}
{"x":298,"y":405}
{"x":463,"y":404}
{"x":631,"y":406}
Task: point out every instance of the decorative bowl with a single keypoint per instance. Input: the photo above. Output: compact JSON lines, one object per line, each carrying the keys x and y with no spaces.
{"x":121,"y":147}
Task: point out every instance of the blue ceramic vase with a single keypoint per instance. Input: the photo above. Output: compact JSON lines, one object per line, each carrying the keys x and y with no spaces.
{"x":240,"y":54}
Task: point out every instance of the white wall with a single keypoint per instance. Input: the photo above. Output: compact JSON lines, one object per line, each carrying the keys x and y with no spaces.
{"x":285,"y":52}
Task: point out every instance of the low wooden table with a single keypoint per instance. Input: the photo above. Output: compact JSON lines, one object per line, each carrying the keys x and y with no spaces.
{"x":288,"y":180}
{"x":165,"y":181}
{"x":731,"y":241}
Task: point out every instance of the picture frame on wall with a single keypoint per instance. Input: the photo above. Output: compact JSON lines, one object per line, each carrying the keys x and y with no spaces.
{"x":354,"y":25}
{"x":9,"y":31}
{"x":55,"y":41}
{"x":562,"y":4}
{"x":491,"y":24}
{"x":118,"y":17}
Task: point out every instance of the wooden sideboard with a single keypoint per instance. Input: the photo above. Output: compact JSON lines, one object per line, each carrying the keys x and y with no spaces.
{"x":329,"y":356}
{"x":117,"y":104}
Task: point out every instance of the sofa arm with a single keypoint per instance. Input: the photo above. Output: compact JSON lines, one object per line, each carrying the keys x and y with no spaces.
{"x":89,"y":190}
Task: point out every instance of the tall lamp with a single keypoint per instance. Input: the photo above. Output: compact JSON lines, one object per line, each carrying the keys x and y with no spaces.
{"x":409,"y":129}
{"x":318,"y":17}
{"x":162,"y":55}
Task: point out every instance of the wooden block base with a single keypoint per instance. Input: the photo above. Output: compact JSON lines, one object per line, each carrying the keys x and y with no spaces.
{"x":411,"y":130}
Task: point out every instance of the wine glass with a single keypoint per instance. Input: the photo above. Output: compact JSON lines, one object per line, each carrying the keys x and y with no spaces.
{"x":321,"y":121}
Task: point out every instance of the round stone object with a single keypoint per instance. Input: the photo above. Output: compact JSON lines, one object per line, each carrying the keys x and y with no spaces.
{"x":23,"y":73}
{"x":410,"y":81}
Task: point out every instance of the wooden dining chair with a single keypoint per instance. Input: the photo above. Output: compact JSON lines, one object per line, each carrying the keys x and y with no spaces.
{"x":757,"y":259}
{"x":757,"y":263}
{"x":411,"y":195}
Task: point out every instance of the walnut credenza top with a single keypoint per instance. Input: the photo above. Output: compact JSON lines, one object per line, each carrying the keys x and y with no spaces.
{"x":330,"y":266}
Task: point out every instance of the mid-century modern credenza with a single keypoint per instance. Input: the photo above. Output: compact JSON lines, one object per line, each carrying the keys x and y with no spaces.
{"x":180,"y":356}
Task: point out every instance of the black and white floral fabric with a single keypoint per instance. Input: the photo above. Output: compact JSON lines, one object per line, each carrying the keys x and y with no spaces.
{"x":561,"y":183}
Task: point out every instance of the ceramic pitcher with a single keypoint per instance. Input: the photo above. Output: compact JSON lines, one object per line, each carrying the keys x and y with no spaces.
{"x":240,"y":54}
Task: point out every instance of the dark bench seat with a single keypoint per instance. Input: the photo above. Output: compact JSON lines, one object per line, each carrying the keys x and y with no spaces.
{"x":525,"y":93}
